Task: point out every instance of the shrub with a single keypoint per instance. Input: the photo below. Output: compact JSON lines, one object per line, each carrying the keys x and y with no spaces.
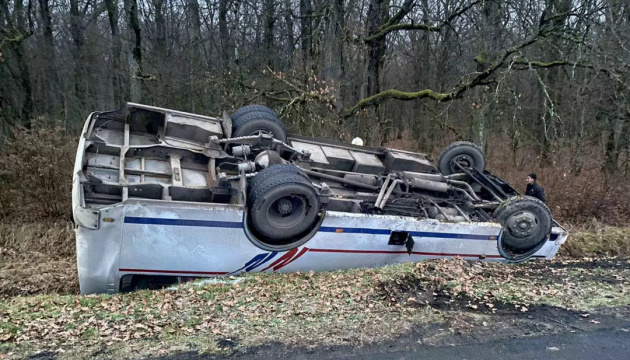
{"x":36,"y":174}
{"x":595,"y":239}
{"x":574,"y":197}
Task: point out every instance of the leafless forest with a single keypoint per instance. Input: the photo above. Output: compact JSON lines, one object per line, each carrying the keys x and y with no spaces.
{"x":542,"y":85}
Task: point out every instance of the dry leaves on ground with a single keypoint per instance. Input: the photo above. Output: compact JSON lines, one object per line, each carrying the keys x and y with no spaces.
{"x":333,"y":307}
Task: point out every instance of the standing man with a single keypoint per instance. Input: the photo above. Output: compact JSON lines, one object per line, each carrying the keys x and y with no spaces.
{"x":533,"y":189}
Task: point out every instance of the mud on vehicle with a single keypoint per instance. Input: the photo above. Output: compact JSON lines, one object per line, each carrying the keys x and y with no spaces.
{"x":174,"y":194}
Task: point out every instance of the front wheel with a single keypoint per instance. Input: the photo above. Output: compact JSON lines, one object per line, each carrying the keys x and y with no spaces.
{"x":526,"y":224}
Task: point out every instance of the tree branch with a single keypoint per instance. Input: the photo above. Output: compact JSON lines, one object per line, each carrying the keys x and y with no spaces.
{"x":393,"y":25}
{"x":395,"y":94}
{"x":456,"y":92}
{"x":404,"y":10}
{"x":459,"y":90}
{"x":524,"y":64}
{"x":19,"y":37}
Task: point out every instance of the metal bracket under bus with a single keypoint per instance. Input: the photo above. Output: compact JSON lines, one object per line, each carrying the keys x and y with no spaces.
{"x":402,"y":238}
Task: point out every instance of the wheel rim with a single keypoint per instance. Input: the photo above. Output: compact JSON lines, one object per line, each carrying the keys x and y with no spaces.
{"x":287,"y":211}
{"x":464,"y":160}
{"x":523,"y":224}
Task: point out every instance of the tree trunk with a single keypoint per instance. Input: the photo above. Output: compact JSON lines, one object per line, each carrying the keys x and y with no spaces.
{"x":195,"y":53}
{"x":335,"y":67}
{"x":334,"y":58}
{"x":160,"y":29}
{"x":617,"y":17}
{"x":377,"y":14}
{"x":288,"y":20}
{"x":23,"y":64}
{"x":116,"y":76}
{"x":576,"y":163}
{"x":76,"y":31}
{"x":306,"y":36}
{"x":135,"y":58}
{"x":161,"y":91}
{"x":421,"y":45}
{"x":557,"y":11}
{"x":51,"y":81}
{"x":490,"y":37}
{"x":268,"y":32}
{"x":25,"y":81}
{"x":616,"y":124}
{"x":376,"y":48}
{"x":223,"y":34}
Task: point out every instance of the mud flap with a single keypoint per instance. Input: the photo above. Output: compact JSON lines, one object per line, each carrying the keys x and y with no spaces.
{"x":409,"y":244}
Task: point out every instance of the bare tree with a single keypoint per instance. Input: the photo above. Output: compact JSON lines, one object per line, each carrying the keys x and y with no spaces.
{"x":546,"y":76}
{"x":135,"y":58}
{"x":306,"y":23}
{"x":118,"y":89}
{"x":269,"y":17}
{"x":224,"y":7}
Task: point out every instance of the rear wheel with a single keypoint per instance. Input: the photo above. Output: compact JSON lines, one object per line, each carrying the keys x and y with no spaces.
{"x":266,"y":173}
{"x":283,"y":207}
{"x":526,"y":224}
{"x":252,"y":108}
{"x":465,"y":154}
{"x":256,"y":123}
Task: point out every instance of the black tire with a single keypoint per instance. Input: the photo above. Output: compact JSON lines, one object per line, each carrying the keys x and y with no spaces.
{"x":280,"y":169}
{"x":526,"y":223}
{"x":256,"y":122}
{"x":252,"y":108}
{"x":464,"y":152}
{"x":283,"y":209}
{"x":245,"y":117}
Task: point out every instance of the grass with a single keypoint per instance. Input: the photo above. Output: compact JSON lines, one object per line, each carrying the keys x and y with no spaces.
{"x":341,"y":307}
{"x":297,"y":308}
{"x":595,"y":239}
{"x":55,"y":239}
{"x":37,"y":258}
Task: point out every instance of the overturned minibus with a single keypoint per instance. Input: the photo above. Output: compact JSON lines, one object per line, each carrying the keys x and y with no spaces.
{"x":160,"y":196}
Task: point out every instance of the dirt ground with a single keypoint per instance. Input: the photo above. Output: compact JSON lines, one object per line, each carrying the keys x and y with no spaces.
{"x":432,"y":303}
{"x":555,"y":326}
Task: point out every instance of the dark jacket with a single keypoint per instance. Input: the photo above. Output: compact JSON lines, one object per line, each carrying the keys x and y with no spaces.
{"x":536,"y":191}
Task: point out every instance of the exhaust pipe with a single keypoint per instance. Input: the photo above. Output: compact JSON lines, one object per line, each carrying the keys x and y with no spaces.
{"x":429,"y":185}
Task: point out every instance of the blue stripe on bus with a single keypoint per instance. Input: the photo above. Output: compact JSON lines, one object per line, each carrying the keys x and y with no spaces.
{"x":355,"y":230}
{"x":181,"y":222}
{"x":412,"y":233}
{"x":239,"y":225}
